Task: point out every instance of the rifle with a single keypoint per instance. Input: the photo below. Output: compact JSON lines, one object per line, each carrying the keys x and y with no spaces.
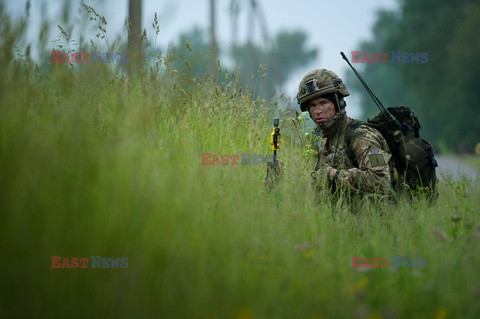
{"x":275,"y":139}
{"x":273,"y":167}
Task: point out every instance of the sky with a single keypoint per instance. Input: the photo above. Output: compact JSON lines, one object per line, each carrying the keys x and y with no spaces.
{"x":331,"y":26}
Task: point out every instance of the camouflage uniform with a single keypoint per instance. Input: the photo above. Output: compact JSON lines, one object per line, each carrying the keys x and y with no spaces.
{"x":361,"y":156}
{"x":359,"y":153}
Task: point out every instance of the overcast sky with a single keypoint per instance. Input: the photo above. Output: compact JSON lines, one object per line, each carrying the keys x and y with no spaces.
{"x":332,"y":26}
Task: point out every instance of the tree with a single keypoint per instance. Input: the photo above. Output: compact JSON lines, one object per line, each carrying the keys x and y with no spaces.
{"x":191,"y":55}
{"x":134,"y":34}
{"x":288,"y":52}
{"x":443,"y":91}
{"x":291,"y":53}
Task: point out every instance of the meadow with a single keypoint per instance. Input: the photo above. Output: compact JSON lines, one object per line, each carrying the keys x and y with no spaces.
{"x":93,"y":163}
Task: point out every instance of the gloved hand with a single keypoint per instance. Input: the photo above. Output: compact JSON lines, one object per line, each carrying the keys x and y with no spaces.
{"x":325,"y":171}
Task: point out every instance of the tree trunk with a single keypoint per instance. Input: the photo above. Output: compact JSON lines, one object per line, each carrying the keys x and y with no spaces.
{"x":134,"y":36}
{"x":213,"y":41}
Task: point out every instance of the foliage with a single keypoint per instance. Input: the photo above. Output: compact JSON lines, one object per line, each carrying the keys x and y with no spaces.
{"x":443,"y":91}
{"x":196,"y":52}
{"x":291,"y":52}
{"x":263,"y":69}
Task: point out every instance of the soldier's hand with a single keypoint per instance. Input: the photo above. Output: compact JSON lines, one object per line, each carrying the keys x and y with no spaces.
{"x":331,"y":174}
{"x":324,"y":172}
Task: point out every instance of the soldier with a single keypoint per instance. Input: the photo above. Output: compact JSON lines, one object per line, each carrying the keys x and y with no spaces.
{"x":352,"y":157}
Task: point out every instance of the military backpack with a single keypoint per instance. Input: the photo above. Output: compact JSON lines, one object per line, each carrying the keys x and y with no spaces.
{"x":413,"y":157}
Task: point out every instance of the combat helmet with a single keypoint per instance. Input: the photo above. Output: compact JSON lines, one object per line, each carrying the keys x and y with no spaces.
{"x":320,"y":82}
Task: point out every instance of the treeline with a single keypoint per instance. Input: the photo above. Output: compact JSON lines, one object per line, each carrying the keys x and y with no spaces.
{"x":444,"y":88}
{"x":263,"y":68}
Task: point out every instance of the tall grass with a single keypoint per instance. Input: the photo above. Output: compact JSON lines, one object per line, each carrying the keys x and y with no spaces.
{"x":93,"y":164}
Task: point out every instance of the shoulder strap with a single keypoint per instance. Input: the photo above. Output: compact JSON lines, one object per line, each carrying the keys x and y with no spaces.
{"x":349,"y":137}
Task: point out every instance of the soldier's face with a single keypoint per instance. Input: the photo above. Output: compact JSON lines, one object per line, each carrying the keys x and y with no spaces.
{"x":321,"y":110}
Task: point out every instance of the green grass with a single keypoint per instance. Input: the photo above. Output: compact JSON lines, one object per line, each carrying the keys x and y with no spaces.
{"x":472,"y":160}
{"x":95,"y":165}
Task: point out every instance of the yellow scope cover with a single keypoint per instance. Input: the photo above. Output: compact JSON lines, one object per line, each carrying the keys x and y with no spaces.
{"x":275,"y":134}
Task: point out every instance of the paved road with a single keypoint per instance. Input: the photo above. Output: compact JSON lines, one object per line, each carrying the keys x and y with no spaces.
{"x":452,"y":167}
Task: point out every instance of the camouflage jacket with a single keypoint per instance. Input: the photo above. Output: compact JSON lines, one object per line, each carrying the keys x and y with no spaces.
{"x":361,"y":156}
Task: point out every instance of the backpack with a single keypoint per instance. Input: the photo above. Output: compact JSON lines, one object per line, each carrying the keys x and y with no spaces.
{"x":413,"y":157}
